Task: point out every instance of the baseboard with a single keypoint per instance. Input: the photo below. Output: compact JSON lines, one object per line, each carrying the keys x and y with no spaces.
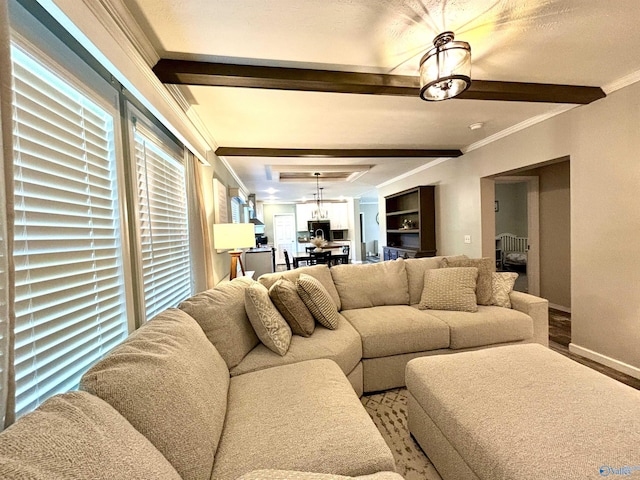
{"x":604,"y":360}
{"x":560,"y":307}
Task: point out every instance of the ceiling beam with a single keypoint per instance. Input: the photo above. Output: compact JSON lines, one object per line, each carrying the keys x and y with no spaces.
{"x":336,"y":152}
{"x":186,"y":72}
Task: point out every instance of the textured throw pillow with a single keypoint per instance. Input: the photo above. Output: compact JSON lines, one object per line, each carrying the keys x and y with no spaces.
{"x":450,"y":289}
{"x":284,"y":295}
{"x":502,"y":285}
{"x":77,"y":435}
{"x":318,"y":301}
{"x":271,"y":328}
{"x":486,"y":266}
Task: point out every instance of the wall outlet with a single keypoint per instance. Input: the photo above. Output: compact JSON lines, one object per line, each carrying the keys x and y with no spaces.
{"x":467,"y":239}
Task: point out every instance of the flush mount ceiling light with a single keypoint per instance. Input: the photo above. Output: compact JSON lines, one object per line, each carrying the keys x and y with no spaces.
{"x":445,"y":70}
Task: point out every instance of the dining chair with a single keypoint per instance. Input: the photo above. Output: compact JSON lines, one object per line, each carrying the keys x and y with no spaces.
{"x":345,"y":251}
{"x":286,"y":259}
{"x":321,"y":258}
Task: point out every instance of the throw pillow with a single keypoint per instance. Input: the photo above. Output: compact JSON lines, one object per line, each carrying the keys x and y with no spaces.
{"x":450,"y":289}
{"x":318,"y":301}
{"x":271,"y":328}
{"x":284,"y":296}
{"x":486,"y":266}
{"x":502,"y":285}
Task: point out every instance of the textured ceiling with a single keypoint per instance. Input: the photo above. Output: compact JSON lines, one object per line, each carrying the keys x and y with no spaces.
{"x":579,"y":42}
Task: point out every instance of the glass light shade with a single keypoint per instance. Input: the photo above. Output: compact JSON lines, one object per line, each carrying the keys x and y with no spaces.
{"x":445,"y":70}
{"x":319,"y":214}
{"x":231,"y":236}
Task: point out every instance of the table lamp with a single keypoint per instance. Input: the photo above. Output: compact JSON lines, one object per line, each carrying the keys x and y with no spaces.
{"x":233,"y":236}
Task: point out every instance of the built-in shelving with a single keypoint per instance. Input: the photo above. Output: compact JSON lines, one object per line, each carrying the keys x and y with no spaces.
{"x":415,"y":207}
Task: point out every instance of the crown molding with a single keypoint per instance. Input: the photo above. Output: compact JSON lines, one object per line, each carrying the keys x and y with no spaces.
{"x":120,"y":16}
{"x":622,"y":82}
{"x":517,"y":127}
{"x":117,"y":20}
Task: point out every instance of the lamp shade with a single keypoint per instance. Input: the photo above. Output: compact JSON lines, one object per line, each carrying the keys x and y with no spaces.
{"x":445,"y":70}
{"x":231,"y":236}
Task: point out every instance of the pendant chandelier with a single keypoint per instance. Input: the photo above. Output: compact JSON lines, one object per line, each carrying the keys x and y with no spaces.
{"x":445,"y":70}
{"x":319,"y":213}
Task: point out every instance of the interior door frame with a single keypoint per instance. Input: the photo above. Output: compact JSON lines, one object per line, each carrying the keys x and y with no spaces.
{"x":533,"y":226}
{"x":279,"y":255}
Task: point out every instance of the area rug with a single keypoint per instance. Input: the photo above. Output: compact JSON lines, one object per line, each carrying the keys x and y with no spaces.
{"x":389,"y":412}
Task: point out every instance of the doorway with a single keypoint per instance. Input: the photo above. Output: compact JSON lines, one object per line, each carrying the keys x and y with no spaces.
{"x":517,"y":230}
{"x":284,"y":235}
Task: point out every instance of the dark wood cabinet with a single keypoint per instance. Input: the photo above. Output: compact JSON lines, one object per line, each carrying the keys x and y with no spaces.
{"x":411,"y":223}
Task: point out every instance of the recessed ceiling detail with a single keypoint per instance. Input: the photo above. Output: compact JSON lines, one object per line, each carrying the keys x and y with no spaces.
{"x":307,"y":173}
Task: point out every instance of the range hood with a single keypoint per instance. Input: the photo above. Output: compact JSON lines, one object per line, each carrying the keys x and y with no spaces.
{"x":252,"y":210}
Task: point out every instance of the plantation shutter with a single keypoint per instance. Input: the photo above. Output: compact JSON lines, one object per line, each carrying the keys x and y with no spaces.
{"x":163,"y":223}
{"x":70,"y":305}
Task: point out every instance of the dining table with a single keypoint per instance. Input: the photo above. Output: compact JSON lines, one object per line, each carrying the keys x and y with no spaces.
{"x":308,"y":256}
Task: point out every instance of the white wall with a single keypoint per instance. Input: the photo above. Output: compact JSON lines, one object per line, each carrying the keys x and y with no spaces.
{"x":511,"y":216}
{"x":603,"y":143}
{"x":371,"y":228}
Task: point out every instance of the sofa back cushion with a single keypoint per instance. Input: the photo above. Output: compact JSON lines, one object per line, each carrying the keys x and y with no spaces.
{"x":319,"y":272}
{"x":221,"y":313}
{"x":78,"y":435}
{"x":171,"y":384}
{"x":486,"y":266}
{"x":371,"y":284}
{"x":415,"y":274}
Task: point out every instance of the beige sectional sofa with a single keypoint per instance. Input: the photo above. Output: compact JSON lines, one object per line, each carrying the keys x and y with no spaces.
{"x":194,"y":394}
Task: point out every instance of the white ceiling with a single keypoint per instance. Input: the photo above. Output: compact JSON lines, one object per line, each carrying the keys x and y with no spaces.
{"x":577,"y":42}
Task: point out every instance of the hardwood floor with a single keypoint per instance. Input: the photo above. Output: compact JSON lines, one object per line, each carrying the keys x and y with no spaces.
{"x":560,"y":337}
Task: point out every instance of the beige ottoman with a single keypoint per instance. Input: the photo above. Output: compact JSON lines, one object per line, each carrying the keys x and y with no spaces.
{"x":522,"y":412}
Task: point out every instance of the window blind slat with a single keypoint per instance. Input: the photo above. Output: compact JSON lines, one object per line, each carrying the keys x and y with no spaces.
{"x":70,"y":306}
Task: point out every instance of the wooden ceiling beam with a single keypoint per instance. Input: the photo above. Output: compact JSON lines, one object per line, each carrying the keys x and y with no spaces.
{"x":186,"y":72}
{"x":336,"y":152}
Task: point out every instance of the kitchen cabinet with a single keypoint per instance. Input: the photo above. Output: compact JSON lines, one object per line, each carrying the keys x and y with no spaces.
{"x":303,"y":215}
{"x":339,"y":216}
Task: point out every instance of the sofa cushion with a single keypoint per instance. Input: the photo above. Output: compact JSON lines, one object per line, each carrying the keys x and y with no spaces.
{"x":489,"y":325}
{"x":294,"y":475}
{"x":485,"y":267}
{"x":342,"y":345}
{"x":371,"y":284}
{"x":415,"y":274}
{"x":221,"y":313}
{"x":77,"y":435}
{"x":501,"y":286}
{"x":284,"y":295}
{"x":171,"y":384}
{"x":317,"y":300}
{"x":509,"y":411}
{"x":273,"y":331}
{"x":392,"y":330}
{"x":319,"y":272}
{"x":450,"y":289}
{"x":304,"y":416}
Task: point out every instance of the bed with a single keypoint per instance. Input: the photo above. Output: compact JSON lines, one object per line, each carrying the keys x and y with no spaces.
{"x":513,"y":250}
